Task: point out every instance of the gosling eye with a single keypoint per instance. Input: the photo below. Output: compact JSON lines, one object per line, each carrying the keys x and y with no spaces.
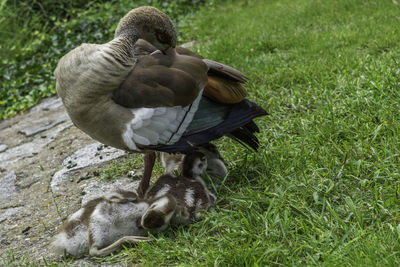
{"x":133,"y":200}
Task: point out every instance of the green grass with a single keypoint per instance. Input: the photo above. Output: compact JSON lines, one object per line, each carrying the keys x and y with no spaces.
{"x":323,"y":187}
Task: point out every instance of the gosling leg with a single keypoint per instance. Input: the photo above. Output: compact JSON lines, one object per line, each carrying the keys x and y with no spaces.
{"x":95,"y":252}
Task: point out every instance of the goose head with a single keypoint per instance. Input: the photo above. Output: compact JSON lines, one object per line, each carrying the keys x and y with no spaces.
{"x":150,"y":24}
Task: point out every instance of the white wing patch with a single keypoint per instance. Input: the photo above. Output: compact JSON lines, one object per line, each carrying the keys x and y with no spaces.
{"x":156,"y":126}
{"x":163,"y":191}
{"x":189,"y":197}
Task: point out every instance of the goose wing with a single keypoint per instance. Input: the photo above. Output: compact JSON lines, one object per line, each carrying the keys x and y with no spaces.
{"x":186,"y":122}
{"x":224,"y":84}
{"x":234,"y":121}
{"x":159,"y":80}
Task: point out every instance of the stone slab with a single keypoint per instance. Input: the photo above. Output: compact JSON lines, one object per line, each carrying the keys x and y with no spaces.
{"x":89,"y":155}
{"x":50,"y":103}
{"x":9,"y":213}
{"x":42,"y":126}
{"x":29,"y":149}
{"x":3,"y":147}
{"x":7,"y":185}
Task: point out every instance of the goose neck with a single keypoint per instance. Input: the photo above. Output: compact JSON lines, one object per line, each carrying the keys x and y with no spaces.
{"x":131,"y":35}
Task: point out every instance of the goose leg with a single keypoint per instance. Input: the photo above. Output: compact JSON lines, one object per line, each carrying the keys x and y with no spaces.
{"x":149,"y":160}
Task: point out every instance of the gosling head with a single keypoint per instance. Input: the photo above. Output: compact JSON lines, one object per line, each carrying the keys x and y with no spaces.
{"x":211,"y":152}
{"x":160,"y":212}
{"x":194,"y":164}
{"x":150,"y":24}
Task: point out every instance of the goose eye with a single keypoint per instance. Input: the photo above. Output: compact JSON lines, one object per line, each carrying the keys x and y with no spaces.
{"x":162,"y":37}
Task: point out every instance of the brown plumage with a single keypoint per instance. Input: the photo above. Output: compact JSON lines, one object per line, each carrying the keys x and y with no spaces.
{"x":224,"y":91}
{"x":175,"y":80}
{"x":224,"y":83}
{"x":160,"y":81}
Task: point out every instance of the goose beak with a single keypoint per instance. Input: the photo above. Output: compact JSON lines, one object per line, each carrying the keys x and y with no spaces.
{"x":169,"y":51}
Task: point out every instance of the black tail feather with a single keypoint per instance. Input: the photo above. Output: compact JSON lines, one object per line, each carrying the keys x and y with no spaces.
{"x":252,"y":127}
{"x":245,"y":136}
{"x":237,"y":140}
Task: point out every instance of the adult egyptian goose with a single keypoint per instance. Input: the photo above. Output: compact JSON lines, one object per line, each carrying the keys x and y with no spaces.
{"x":141,"y":93}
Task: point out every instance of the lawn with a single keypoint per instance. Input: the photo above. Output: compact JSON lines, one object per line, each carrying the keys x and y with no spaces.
{"x":323,"y":188}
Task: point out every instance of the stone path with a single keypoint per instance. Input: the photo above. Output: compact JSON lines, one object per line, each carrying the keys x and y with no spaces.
{"x":46,"y":170}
